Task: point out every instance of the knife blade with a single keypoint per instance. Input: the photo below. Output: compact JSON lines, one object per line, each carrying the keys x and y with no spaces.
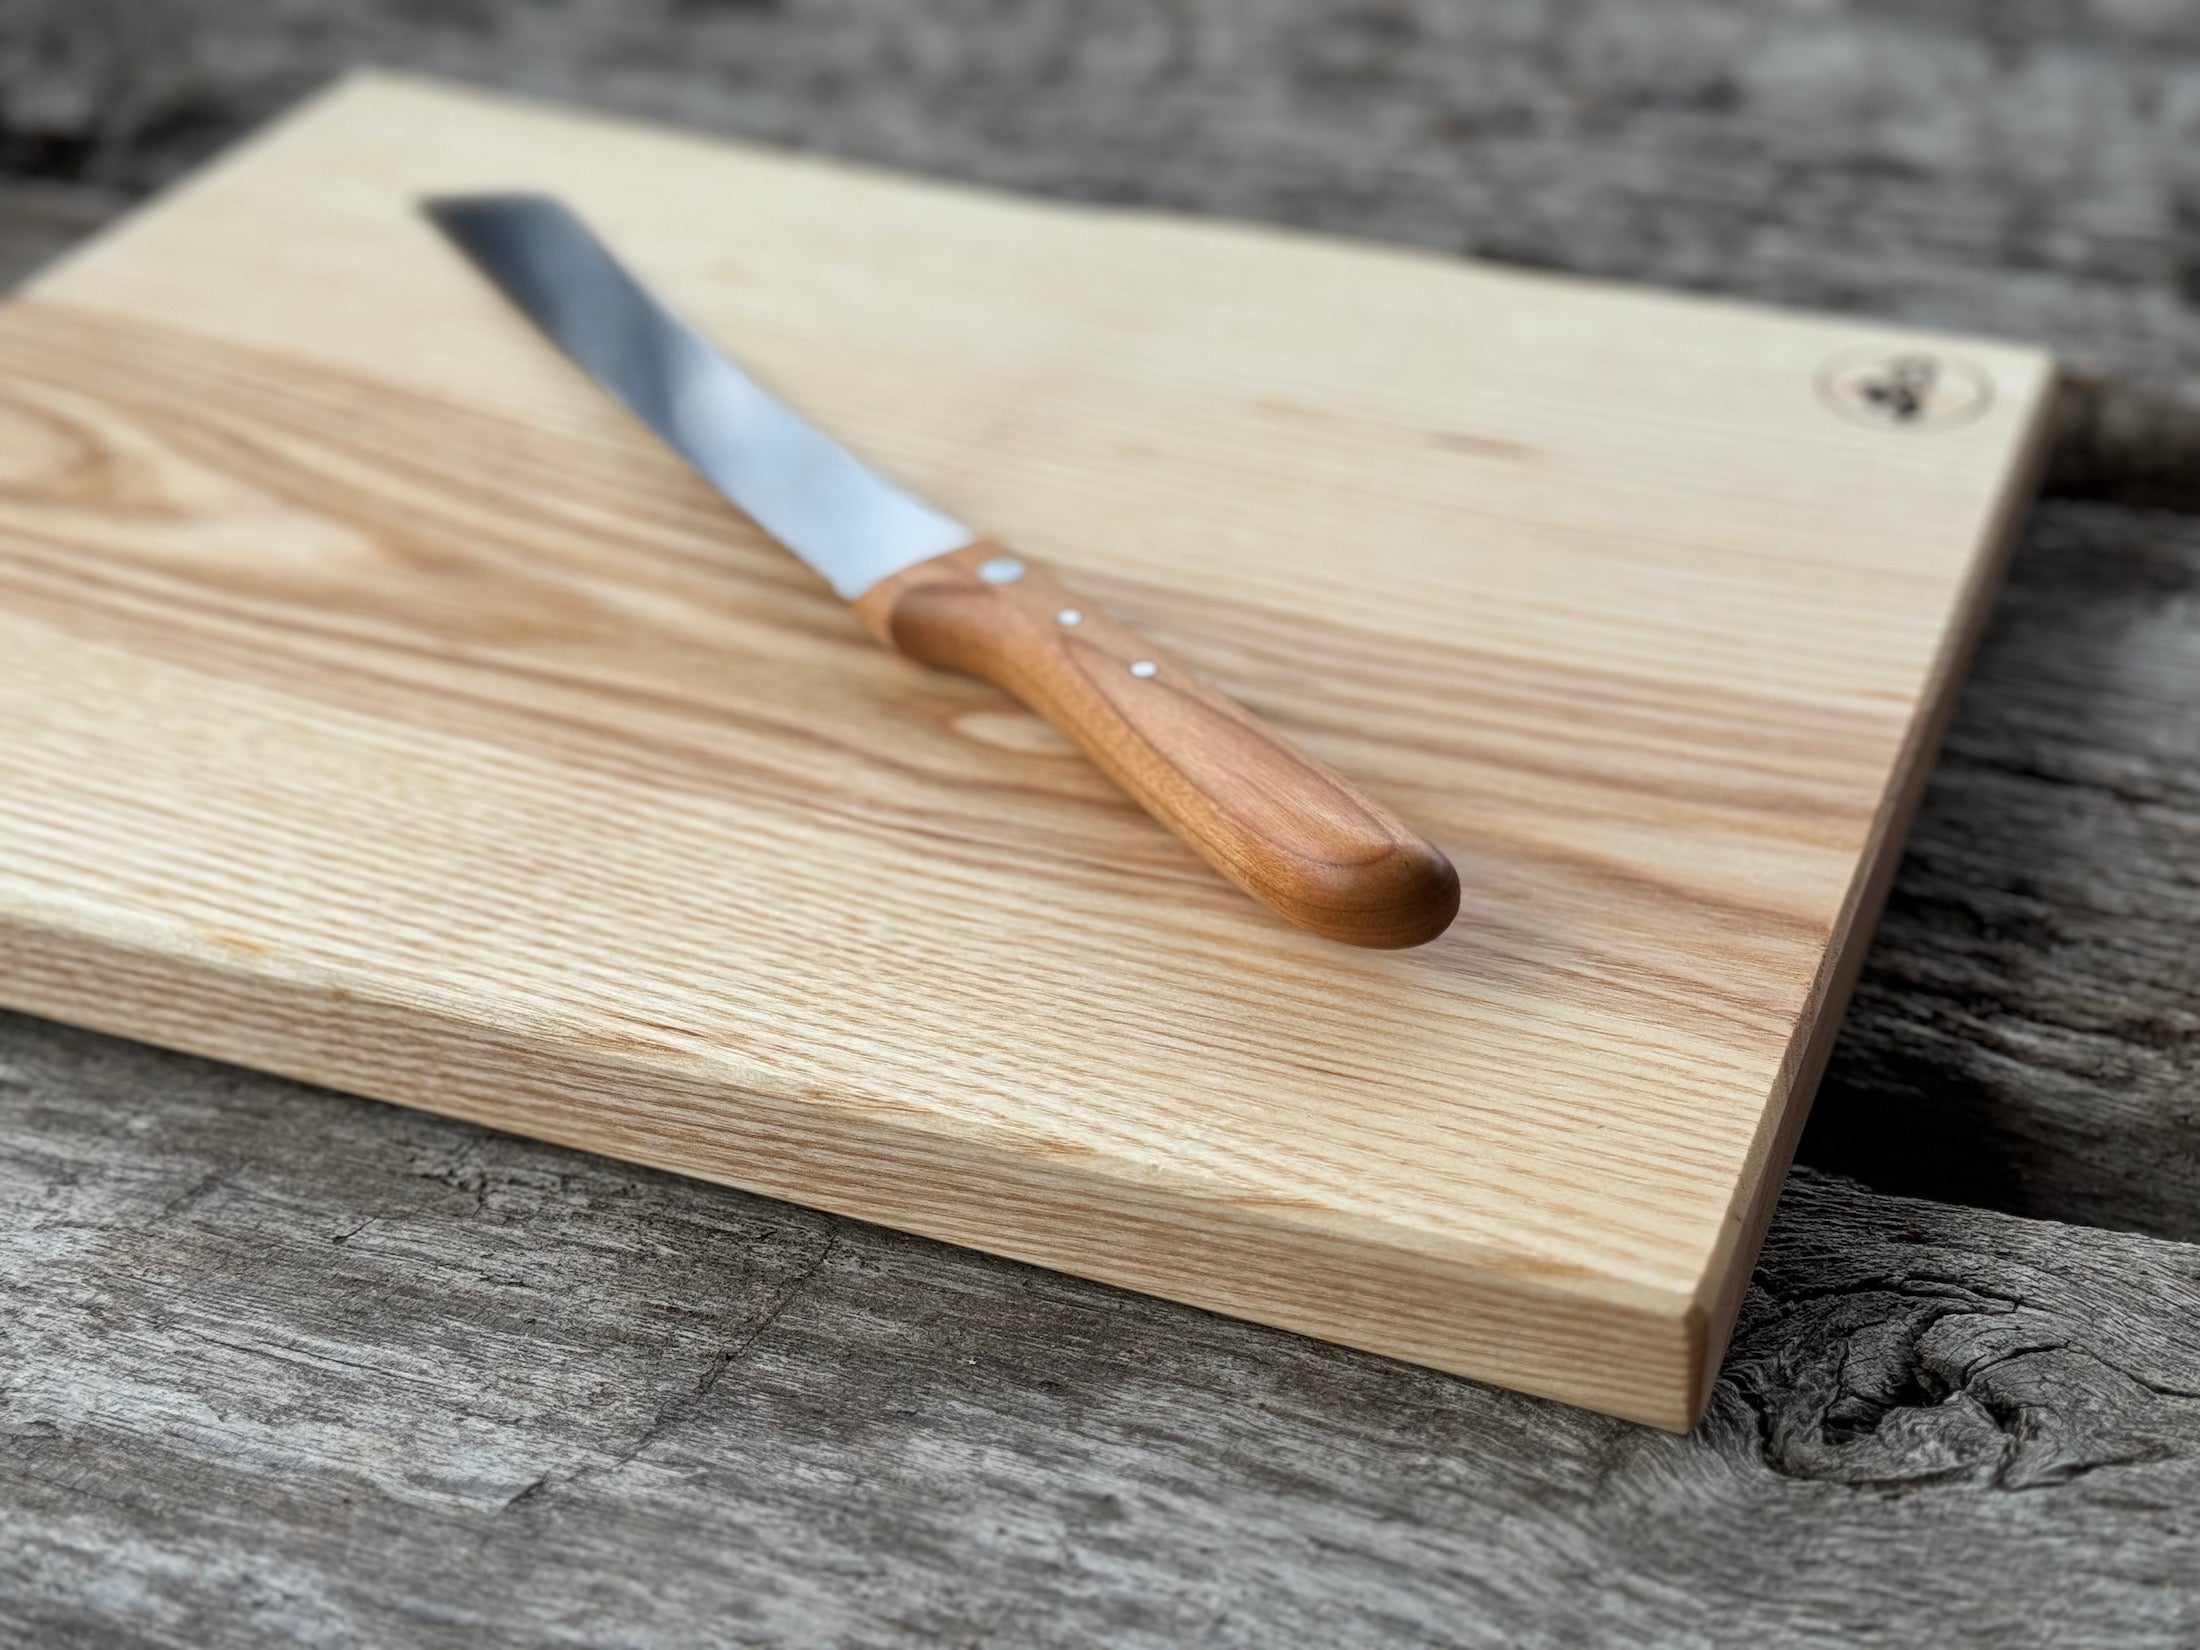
{"x":1284,"y":827}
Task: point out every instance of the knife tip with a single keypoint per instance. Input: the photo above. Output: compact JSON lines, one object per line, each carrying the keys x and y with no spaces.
{"x":458,"y":208}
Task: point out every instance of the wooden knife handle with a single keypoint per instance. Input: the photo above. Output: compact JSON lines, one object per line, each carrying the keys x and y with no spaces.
{"x":1289,"y":831}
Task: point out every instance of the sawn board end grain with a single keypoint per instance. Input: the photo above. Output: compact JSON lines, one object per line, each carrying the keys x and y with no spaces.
{"x":384,"y":708}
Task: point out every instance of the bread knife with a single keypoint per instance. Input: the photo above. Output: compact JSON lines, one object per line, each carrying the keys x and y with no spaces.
{"x":1285,"y":828}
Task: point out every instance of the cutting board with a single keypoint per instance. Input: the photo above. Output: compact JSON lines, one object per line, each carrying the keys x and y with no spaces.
{"x":382,"y":707}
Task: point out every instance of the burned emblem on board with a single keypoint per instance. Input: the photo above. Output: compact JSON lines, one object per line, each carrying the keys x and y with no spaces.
{"x":1904,"y":390}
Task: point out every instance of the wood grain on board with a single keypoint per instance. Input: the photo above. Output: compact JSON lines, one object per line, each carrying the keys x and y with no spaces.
{"x":387,"y":710}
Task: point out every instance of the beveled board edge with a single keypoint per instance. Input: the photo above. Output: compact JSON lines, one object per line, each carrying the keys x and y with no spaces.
{"x":1726,"y":1277}
{"x":1636,"y":1357}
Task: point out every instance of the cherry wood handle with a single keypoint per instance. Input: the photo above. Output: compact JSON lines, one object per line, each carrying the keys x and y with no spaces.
{"x":1289,"y":831}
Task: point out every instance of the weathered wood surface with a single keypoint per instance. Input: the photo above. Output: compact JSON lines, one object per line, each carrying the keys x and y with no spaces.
{"x":286,"y":1367}
{"x":2026,"y":1035}
{"x":697,"y":1443}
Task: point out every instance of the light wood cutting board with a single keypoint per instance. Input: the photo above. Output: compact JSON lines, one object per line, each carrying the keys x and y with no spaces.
{"x":379,"y":705}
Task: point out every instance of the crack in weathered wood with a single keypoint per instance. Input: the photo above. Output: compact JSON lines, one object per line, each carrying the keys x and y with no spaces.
{"x":682,"y":1405}
{"x":2118,"y":444}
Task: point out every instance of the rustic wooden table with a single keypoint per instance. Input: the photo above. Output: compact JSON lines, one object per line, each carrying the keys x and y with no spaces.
{"x":278,"y":1366}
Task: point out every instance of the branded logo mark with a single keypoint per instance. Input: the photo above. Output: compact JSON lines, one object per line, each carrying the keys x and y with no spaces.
{"x":1904,"y":390}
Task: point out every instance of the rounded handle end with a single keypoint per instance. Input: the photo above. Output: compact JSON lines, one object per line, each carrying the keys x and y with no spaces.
{"x":1405,"y":896}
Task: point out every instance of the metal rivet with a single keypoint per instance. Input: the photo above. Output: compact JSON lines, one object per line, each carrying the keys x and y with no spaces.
{"x":1144,"y":667}
{"x":1069,"y":615}
{"x":1001,"y":570}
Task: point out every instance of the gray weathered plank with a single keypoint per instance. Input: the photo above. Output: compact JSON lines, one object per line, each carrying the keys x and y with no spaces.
{"x":2026,"y":1034}
{"x":2028,"y":169}
{"x":284,"y":1367}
